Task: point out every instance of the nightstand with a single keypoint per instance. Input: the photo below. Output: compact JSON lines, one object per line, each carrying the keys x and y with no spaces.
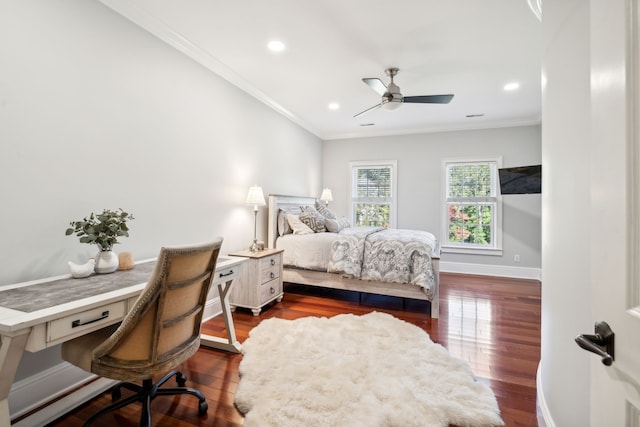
{"x":260,"y":280}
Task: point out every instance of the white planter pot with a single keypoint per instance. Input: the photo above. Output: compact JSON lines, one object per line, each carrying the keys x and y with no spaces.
{"x":106,"y":262}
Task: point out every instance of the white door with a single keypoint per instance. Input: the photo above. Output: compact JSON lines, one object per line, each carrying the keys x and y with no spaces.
{"x":615,"y":200}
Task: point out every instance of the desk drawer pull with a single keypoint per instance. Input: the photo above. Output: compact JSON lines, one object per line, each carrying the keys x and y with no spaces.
{"x":226,"y":274}
{"x":77,"y":323}
{"x":273,"y":261}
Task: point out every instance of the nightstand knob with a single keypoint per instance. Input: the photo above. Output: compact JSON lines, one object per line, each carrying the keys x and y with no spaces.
{"x":272,"y":275}
{"x":273,"y":261}
{"x":273,"y":291}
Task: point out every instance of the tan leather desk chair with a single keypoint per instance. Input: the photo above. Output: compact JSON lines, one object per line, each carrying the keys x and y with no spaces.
{"x":161,"y":331}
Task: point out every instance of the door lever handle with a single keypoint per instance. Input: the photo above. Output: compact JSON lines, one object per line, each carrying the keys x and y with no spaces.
{"x":602,"y":343}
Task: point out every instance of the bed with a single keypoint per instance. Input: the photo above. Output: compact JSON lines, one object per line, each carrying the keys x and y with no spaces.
{"x":315,"y":258}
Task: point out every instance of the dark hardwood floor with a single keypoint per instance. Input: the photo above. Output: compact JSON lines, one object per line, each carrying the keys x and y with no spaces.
{"x":492,"y":323}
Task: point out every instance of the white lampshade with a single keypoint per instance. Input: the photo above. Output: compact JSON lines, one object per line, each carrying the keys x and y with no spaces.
{"x":255,"y":196}
{"x":326,"y":196}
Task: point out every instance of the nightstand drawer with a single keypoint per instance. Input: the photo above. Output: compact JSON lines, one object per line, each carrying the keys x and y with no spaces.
{"x":272,"y":261}
{"x":80,"y":323}
{"x":269,"y":290}
{"x":269,"y":274}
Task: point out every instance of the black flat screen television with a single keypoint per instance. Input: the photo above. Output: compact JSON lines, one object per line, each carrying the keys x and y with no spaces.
{"x":521,"y":180}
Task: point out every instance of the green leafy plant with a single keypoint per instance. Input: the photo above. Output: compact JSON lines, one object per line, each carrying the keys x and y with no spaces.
{"x":102,"y":229}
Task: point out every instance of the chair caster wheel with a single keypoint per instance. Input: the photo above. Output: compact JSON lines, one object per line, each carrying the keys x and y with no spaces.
{"x":181,"y":380}
{"x":202,"y":408}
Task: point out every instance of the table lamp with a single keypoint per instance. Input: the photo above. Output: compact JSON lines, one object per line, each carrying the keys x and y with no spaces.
{"x":255,"y":198}
{"x":326,"y":196}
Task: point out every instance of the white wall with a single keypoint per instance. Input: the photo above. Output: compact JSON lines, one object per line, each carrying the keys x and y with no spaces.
{"x":420,"y":182}
{"x":564,"y":370}
{"x":97,"y":113}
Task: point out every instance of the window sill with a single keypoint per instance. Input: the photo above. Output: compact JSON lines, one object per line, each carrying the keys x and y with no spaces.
{"x":471,"y":250}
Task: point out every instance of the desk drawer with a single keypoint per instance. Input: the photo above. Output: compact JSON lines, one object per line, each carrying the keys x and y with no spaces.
{"x":93,"y":319}
{"x":223,"y":276}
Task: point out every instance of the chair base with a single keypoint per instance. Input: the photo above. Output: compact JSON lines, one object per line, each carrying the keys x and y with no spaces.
{"x":145,"y":393}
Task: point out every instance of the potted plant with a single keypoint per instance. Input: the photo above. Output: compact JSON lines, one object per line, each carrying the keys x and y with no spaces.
{"x":102,"y":230}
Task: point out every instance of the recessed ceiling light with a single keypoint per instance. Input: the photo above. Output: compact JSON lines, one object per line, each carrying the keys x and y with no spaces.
{"x":511,"y":86}
{"x":334,"y":106}
{"x":275,"y":46}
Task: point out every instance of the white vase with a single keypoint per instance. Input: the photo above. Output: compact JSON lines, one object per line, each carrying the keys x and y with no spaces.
{"x":106,"y":262}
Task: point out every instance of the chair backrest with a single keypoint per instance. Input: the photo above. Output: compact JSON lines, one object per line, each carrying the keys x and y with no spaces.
{"x":162,"y":329}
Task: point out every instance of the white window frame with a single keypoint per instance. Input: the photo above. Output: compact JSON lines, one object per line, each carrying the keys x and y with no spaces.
{"x":392,"y":201}
{"x":468,"y":248}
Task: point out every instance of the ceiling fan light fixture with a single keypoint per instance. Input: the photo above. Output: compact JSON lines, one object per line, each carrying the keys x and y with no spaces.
{"x":392,"y":101}
{"x":391,"y":104}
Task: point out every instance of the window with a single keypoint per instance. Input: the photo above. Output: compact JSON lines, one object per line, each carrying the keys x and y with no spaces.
{"x":472,"y":207}
{"x":373,"y":193}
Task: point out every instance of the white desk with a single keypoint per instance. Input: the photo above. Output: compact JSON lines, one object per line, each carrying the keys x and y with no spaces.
{"x":29,"y":328}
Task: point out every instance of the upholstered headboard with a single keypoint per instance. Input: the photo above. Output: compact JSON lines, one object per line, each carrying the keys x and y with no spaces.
{"x":276,"y":202}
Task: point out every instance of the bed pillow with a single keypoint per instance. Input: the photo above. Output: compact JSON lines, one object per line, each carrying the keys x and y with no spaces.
{"x":335,"y":225}
{"x":283,"y":224}
{"x":325,"y":211}
{"x":297,"y":226}
{"x":312,"y":219}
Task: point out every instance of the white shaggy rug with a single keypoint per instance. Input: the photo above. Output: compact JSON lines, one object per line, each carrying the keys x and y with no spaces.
{"x":358,"y":371}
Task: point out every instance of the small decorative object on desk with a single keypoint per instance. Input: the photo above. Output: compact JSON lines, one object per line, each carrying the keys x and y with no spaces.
{"x":103,"y":230}
{"x":125,"y":261}
{"x":79,"y":271}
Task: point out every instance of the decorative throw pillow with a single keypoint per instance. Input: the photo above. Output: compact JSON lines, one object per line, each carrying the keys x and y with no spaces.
{"x":325,"y":211}
{"x":335,"y":225}
{"x":298,"y":226}
{"x":283,"y":224}
{"x":312,"y":219}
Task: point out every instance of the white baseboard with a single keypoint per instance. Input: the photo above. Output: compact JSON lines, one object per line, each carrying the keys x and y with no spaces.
{"x":36,"y":390}
{"x":542,"y":410}
{"x":212,"y":309}
{"x":44,"y":387}
{"x":66,"y":404}
{"x":491,"y":270}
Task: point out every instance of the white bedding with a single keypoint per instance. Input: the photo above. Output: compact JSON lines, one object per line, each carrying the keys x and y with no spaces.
{"x":310,"y":251}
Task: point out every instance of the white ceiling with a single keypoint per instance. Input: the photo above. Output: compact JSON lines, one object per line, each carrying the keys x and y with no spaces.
{"x":469,"y":48}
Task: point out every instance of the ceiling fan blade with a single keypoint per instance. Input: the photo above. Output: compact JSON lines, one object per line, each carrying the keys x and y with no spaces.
{"x":368,"y":109}
{"x":429,"y":99}
{"x":376,"y":84}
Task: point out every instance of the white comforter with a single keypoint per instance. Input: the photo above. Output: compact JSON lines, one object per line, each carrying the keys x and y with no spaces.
{"x":310,"y":251}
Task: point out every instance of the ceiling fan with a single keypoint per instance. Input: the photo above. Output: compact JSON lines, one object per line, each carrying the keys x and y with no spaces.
{"x":392,"y":98}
